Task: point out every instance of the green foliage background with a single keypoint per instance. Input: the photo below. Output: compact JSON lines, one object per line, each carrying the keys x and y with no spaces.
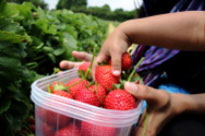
{"x":32,"y":42}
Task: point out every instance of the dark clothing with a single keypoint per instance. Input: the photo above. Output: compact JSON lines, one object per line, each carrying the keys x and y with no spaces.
{"x":184,"y":69}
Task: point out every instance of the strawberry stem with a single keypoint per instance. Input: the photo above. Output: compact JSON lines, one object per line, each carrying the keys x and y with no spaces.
{"x":134,"y":69}
{"x":92,"y":60}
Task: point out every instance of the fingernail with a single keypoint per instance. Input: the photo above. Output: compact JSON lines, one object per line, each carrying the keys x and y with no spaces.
{"x":130,"y":86}
{"x":116,"y":72}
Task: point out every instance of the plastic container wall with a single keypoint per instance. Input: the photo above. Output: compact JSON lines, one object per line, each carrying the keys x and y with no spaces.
{"x":55,"y":113}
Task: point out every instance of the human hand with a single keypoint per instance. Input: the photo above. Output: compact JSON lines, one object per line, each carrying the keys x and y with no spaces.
{"x":84,"y":56}
{"x":162,"y":106}
{"x":114,"y":46}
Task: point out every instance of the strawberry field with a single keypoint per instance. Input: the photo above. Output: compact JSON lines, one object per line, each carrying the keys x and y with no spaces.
{"x":32,"y":42}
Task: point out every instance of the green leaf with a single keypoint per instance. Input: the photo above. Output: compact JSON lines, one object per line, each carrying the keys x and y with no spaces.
{"x":59,"y":51}
{"x":13,"y":38}
{"x":68,"y":42}
{"x":4,"y":105}
{"x":46,"y":27}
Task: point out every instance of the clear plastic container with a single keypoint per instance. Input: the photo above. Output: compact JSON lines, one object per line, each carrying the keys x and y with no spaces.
{"x":55,"y":113}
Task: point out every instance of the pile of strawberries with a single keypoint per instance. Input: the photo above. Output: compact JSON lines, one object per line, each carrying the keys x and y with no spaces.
{"x":106,"y":92}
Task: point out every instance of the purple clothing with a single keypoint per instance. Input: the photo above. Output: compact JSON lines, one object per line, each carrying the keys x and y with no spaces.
{"x":155,"y":56}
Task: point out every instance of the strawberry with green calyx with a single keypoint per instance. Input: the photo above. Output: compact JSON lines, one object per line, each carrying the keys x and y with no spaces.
{"x":119,"y":99}
{"x":76,"y":84}
{"x":57,"y":86}
{"x":100,"y":92}
{"x":63,"y":93}
{"x":84,"y":70}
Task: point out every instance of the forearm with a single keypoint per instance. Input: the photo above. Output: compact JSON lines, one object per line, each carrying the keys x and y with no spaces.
{"x":182,"y":30}
{"x":194,"y":103}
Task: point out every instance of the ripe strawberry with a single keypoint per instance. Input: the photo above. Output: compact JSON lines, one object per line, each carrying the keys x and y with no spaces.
{"x":46,"y":130}
{"x":63,"y":93}
{"x":70,"y":130}
{"x":126,"y":61}
{"x":88,"y":129}
{"x":84,"y":66}
{"x":54,"y":119}
{"x":99,"y":91}
{"x":87,"y":96}
{"x":56,"y":86}
{"x":104,"y":76}
{"x":120,"y":100}
{"x":76,"y":84}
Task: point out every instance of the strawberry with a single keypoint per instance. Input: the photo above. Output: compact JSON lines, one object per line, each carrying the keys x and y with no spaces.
{"x":84,"y":66}
{"x":99,"y":91}
{"x":46,"y":130}
{"x":54,"y":119}
{"x":56,"y":86}
{"x":87,"y":96}
{"x":120,"y":100}
{"x":76,"y":84}
{"x":84,"y":71}
{"x":126,"y":61}
{"x":70,"y":130}
{"x":88,"y":129}
{"x":104,"y":76}
{"x":63,"y":93}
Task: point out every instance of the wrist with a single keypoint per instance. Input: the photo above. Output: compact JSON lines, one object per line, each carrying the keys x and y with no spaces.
{"x":181,"y":103}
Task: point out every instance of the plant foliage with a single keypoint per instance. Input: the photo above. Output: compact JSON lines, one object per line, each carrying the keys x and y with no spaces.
{"x":32,"y":42}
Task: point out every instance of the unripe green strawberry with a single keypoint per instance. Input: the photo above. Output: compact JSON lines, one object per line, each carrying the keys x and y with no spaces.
{"x":76,"y":84}
{"x":104,"y":76}
{"x":89,"y":129}
{"x":100,"y":92}
{"x":87,"y":96}
{"x":70,"y":130}
{"x":120,"y":100}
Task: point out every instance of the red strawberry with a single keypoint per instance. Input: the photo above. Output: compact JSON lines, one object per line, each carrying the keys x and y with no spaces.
{"x":126,"y":61}
{"x":56,"y":86}
{"x":120,"y":100}
{"x":54,"y":119}
{"x":84,"y":66}
{"x":46,"y":130}
{"x":70,"y":130}
{"x":88,"y":129}
{"x":87,"y":96}
{"x":99,"y":91}
{"x":104,"y":76}
{"x":63,"y":93}
{"x":76,"y":84}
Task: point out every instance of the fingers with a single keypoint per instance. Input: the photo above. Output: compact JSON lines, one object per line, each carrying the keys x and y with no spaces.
{"x":69,"y":64}
{"x":82,"y":55}
{"x":154,"y":97}
{"x":116,"y":63}
{"x":99,"y":58}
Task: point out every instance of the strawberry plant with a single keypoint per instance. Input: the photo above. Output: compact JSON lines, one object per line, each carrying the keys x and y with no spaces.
{"x":32,"y":42}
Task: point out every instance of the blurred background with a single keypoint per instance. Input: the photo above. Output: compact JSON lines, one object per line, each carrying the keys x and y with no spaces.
{"x":35,"y":35}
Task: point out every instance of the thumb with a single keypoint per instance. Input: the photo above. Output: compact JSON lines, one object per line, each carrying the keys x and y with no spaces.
{"x":154,"y":97}
{"x":116,"y":63}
